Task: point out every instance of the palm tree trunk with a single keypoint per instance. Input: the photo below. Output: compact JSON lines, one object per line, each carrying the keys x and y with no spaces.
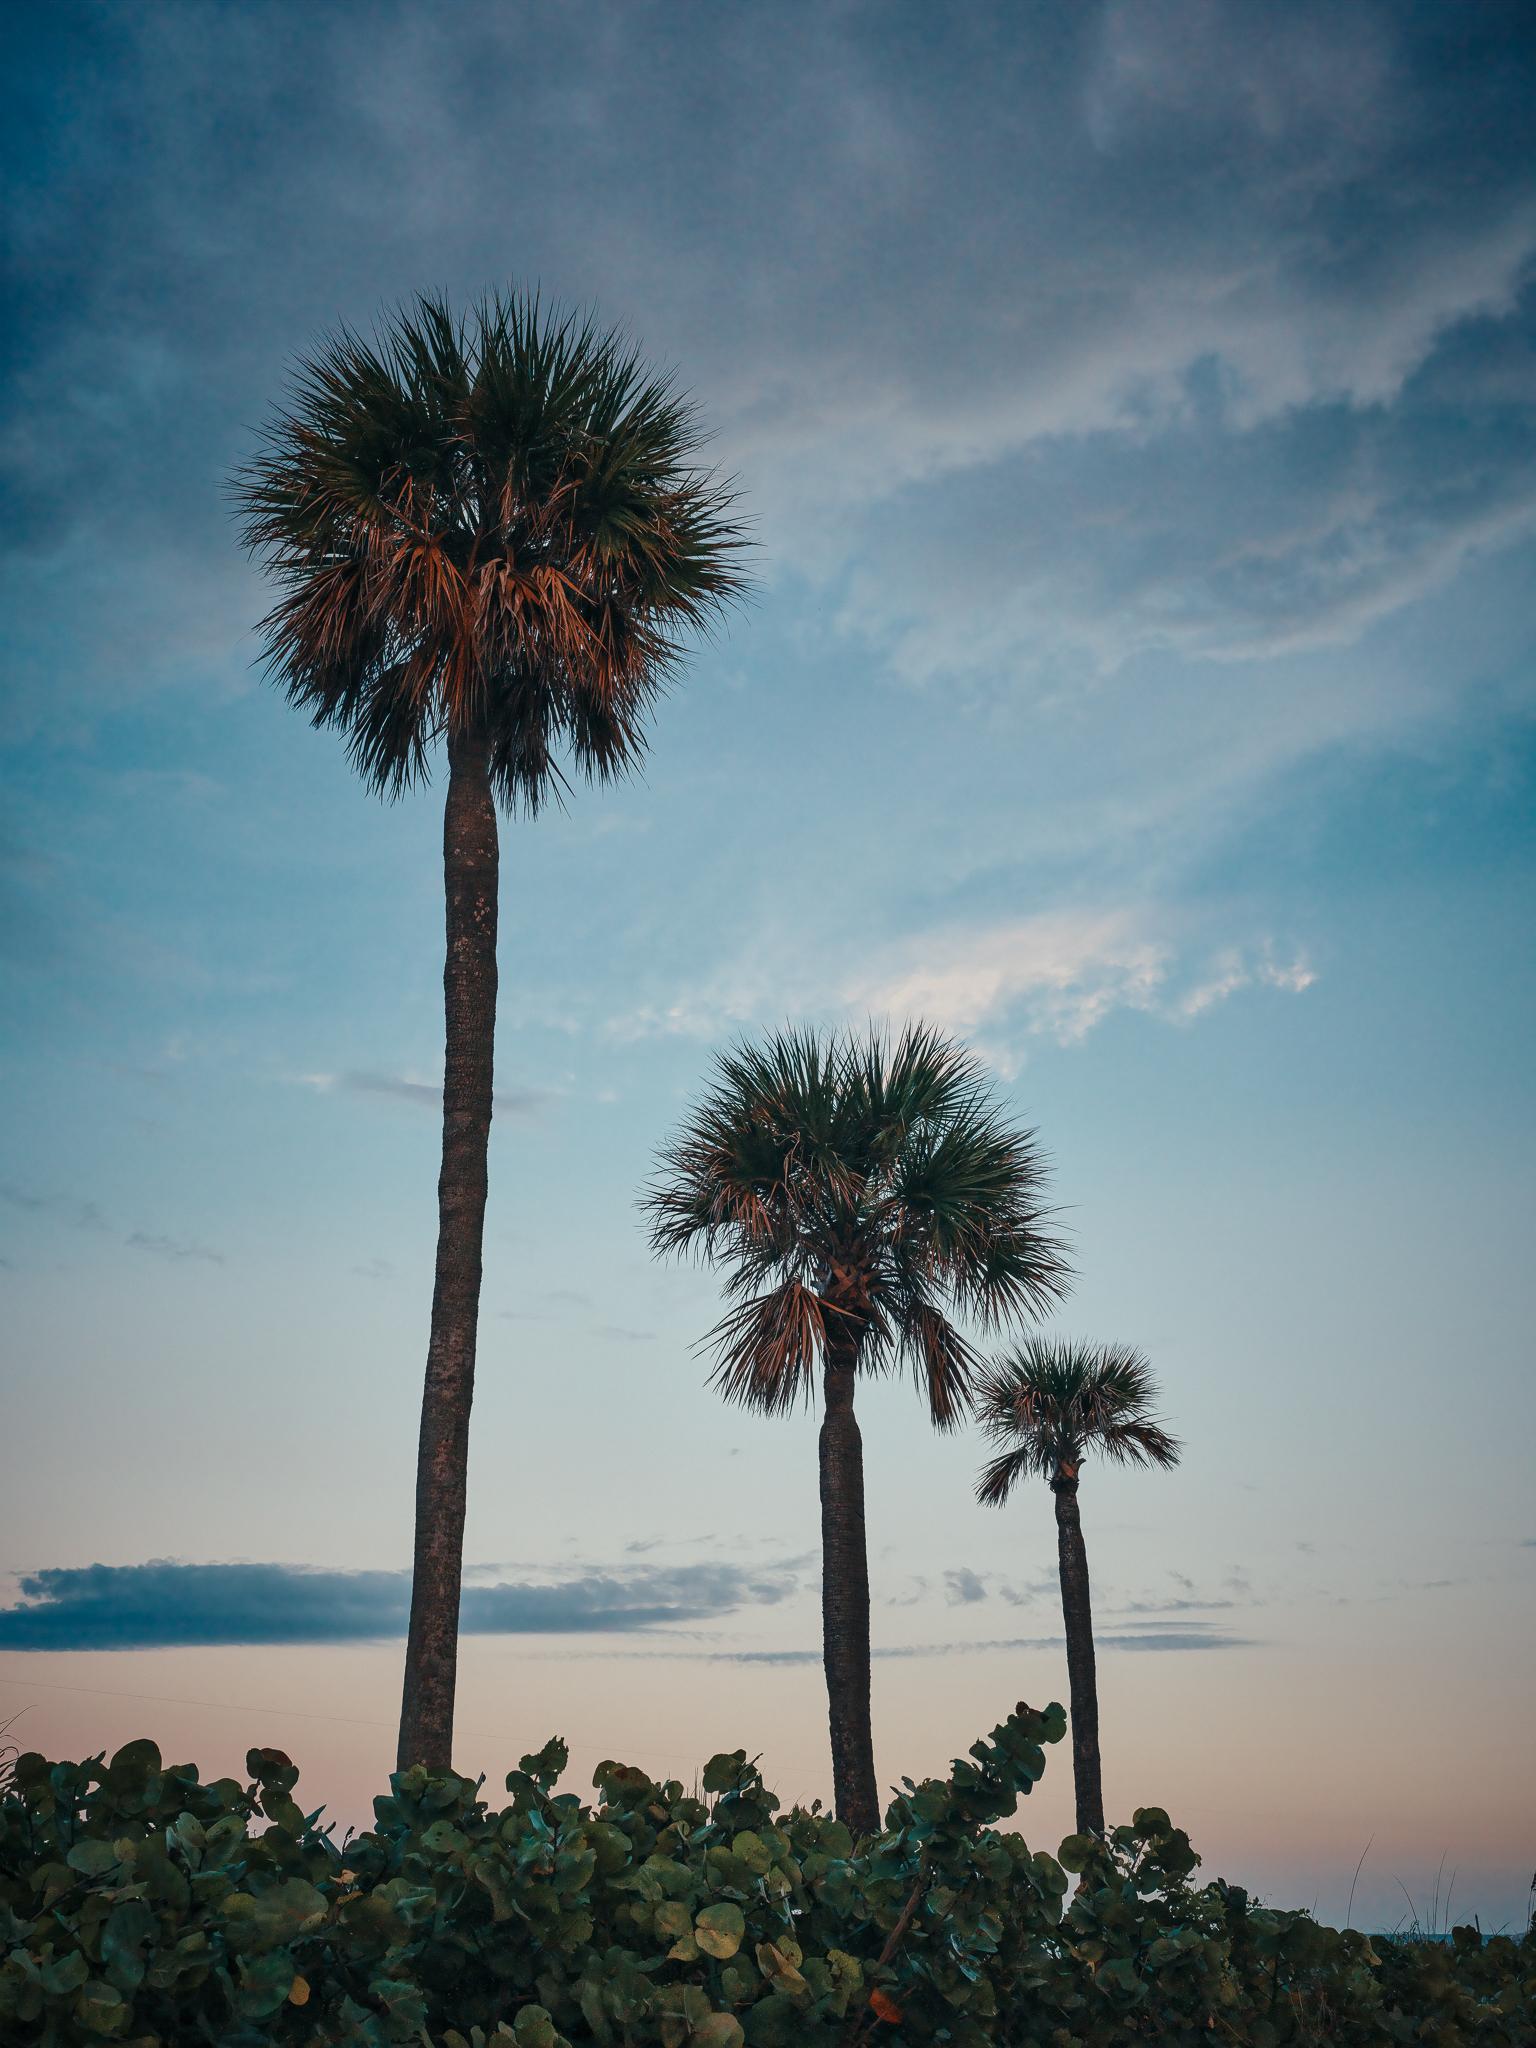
{"x":1077,"y":1614}
{"x":845,"y":1601}
{"x":470,"y":856}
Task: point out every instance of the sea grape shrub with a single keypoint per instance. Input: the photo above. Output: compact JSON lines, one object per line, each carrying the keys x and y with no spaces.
{"x":137,"y":1903}
{"x":141,"y":1906}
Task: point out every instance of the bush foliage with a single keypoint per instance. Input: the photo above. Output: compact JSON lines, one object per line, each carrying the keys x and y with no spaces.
{"x":140,"y":1905}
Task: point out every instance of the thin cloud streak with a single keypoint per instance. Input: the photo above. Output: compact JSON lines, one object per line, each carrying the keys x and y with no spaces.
{"x":421,"y":1094}
{"x":180,"y":1250}
{"x":80,"y":1215}
{"x":1143,"y":1641}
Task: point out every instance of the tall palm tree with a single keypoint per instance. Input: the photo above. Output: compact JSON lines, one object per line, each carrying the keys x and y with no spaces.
{"x":859,"y":1193}
{"x":488,"y":530}
{"x":1047,"y":1405}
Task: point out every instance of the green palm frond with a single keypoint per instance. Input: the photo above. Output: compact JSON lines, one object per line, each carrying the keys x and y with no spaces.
{"x":1051,"y":1402}
{"x":494,"y":522}
{"x":876,"y":1178}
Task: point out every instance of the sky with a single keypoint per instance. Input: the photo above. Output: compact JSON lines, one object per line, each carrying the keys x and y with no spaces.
{"x":1134,"y":407}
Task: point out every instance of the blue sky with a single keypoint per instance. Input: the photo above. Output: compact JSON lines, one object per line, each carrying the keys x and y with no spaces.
{"x":1135,"y":408}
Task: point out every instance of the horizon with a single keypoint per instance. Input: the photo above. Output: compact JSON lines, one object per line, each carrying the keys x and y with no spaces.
{"x":1135,"y":411}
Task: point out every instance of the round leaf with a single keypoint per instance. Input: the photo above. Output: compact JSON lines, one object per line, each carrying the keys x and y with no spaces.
{"x":719,"y":1930}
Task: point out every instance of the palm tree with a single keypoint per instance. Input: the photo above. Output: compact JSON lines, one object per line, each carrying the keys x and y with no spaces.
{"x":859,"y":1194}
{"x":1047,"y":1405}
{"x":488,"y":530}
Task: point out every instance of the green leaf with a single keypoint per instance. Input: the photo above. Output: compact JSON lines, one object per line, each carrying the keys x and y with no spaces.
{"x":134,"y":1763}
{"x":273,"y":1917}
{"x":719,"y":1930}
{"x":774,"y":1962}
{"x":65,"y":1974}
{"x":128,"y":1926}
{"x":533,"y":2027}
{"x":92,"y":1859}
{"x":750,"y":1848}
{"x":101,"y":2008}
{"x":545,"y":1766}
{"x":720,"y":2030}
{"x":265,"y":1982}
{"x":722,"y":1772}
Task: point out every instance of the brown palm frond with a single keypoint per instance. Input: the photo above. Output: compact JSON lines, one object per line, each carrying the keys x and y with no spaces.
{"x":878,"y":1177}
{"x":1000,"y":1475}
{"x":767,"y":1348}
{"x":943,"y":1362}
{"x":1051,"y":1402}
{"x":494,"y":522}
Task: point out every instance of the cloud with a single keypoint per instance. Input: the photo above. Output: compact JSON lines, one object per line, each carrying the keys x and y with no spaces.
{"x":963,"y":1587}
{"x":1056,"y":975}
{"x":85,"y":1215}
{"x":80,"y":1215}
{"x":143,"y":1606}
{"x":1177,"y":326}
{"x":545,"y":1300}
{"x":1060,"y":973}
{"x":179,"y":1249}
{"x":639,"y":1597}
{"x":1136,"y":1642}
{"x":146,"y":1606}
{"x":1189,"y":1638}
{"x":1027,"y":1594}
{"x":1177,"y":1606}
{"x":421,"y":1094}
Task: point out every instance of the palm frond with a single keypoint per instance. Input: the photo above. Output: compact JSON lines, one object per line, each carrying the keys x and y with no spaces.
{"x":493,"y":521}
{"x":1053,"y":1401}
{"x":768,"y":1346}
{"x":876,"y":1174}
{"x":1000,"y":1475}
{"x":942,"y":1362}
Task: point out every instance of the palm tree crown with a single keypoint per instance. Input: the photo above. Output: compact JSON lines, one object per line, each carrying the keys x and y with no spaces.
{"x":489,"y":525}
{"x":860,"y":1191}
{"x":1051,"y":1401}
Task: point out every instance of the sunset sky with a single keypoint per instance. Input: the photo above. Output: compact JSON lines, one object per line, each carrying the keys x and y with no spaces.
{"x":1135,"y":410}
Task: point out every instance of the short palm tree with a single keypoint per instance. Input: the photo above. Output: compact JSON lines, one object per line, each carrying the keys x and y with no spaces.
{"x":860,"y":1193}
{"x":488,"y":531}
{"x":1047,"y":1406}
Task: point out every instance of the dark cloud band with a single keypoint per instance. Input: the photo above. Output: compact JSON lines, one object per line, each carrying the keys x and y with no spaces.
{"x":163,"y":1603}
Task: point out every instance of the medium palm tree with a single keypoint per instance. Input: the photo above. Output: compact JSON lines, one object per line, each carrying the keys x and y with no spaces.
{"x":489,"y":531}
{"x":860,"y":1193}
{"x":1048,"y":1404}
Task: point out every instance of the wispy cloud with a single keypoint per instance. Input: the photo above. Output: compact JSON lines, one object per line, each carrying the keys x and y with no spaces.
{"x":547,"y":1304}
{"x":1175,"y":1606}
{"x":1056,"y":975}
{"x":78,"y":1214}
{"x":145,"y":1606}
{"x":70,"y":1209}
{"x":1234,"y":971}
{"x":1143,"y":1641}
{"x":421,"y":1094}
{"x":180,"y":1250}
